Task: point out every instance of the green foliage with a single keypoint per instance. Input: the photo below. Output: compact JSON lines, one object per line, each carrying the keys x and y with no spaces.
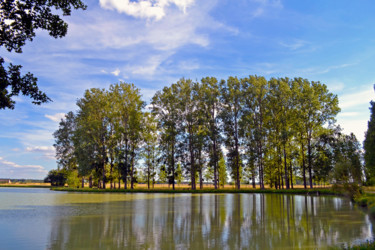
{"x":18,"y":22}
{"x":56,"y":177}
{"x":64,"y":144}
{"x":20,"y":19}
{"x":179,"y":176}
{"x":73,"y":180}
{"x":162,"y":174}
{"x":12,"y":83}
{"x":275,"y":131}
{"x":369,"y":144}
{"x":223,"y":175}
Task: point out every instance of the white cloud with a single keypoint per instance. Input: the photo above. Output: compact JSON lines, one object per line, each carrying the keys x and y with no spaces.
{"x":10,"y":169}
{"x":116,"y":72}
{"x":294,"y":45}
{"x":335,"y":86}
{"x":56,"y":117}
{"x":354,"y":125}
{"x":48,"y":152}
{"x":348,"y":114}
{"x":264,"y":6}
{"x":145,"y":8}
{"x":357,"y":98}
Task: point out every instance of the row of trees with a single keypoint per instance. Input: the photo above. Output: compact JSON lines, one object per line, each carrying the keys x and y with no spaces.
{"x":271,"y":132}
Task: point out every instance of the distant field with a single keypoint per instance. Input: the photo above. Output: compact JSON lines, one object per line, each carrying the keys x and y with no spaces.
{"x":31,"y":184}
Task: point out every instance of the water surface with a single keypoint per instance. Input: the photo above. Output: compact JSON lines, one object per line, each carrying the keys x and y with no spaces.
{"x":44,"y":219}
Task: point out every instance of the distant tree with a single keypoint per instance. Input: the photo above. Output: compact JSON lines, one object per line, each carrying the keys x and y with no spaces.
{"x":64,"y":143}
{"x":163,"y":174}
{"x":56,"y":177}
{"x":348,"y":168}
{"x":19,"y":19}
{"x":150,"y":148}
{"x":179,"y":176}
{"x":222,"y":171}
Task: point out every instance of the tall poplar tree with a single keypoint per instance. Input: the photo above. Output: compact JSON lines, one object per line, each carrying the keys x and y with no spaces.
{"x":231,"y":115}
{"x":369,"y":144}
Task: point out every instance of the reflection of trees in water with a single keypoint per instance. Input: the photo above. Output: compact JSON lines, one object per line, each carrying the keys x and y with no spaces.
{"x":255,"y":221}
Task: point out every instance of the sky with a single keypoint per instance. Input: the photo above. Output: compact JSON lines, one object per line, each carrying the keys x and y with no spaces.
{"x":155,"y":43}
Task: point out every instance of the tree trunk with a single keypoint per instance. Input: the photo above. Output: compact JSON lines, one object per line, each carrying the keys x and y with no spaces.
{"x":125,"y":178}
{"x":83,"y":182}
{"x":103,"y":175}
{"x":200,"y":171}
{"x":285,"y":169}
{"x":237,"y":153}
{"x":132,"y":169}
{"x":303,"y":165}
{"x":291,"y":175}
{"x":111,"y":172}
{"x":148,"y":170}
{"x":215,"y":164}
{"x":309,"y":160}
{"x":192,"y":165}
{"x":90,"y":181}
{"x":173,"y":170}
{"x":253,"y":178}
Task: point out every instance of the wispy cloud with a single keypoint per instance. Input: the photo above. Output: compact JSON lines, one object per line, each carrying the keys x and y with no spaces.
{"x":263,"y":7}
{"x":47,"y":152}
{"x":56,"y":117}
{"x":145,"y":8}
{"x":116,"y":72}
{"x":295,"y":44}
{"x":348,"y":114}
{"x":357,"y":98}
{"x":10,"y":169}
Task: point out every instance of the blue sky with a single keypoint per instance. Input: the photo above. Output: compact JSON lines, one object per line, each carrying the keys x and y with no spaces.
{"x":154,"y":43}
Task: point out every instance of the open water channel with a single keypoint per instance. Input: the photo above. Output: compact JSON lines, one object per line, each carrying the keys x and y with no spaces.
{"x":44,"y":219}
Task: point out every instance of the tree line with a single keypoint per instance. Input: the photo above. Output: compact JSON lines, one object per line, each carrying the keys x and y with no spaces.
{"x":276,"y":132}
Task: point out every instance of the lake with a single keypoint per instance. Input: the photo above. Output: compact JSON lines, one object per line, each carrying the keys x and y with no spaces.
{"x":44,"y":219}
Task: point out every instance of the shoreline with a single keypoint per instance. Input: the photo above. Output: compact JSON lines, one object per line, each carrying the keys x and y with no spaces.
{"x":314,"y":191}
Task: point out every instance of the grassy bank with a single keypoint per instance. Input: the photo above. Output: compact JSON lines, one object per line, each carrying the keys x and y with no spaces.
{"x":315,"y":191}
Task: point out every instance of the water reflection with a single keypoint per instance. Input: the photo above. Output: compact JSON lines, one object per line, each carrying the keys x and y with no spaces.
{"x":207,"y":221}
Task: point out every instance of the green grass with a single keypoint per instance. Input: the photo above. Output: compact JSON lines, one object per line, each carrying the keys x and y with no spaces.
{"x":315,"y":191}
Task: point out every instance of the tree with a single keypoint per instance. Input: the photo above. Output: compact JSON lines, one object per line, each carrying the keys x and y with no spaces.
{"x":348,"y":168}
{"x":231,"y":115}
{"x":317,"y":107}
{"x":179,"y":176}
{"x":18,"y":21}
{"x":92,"y":124}
{"x":165,"y":108}
{"x":222,"y":172}
{"x":56,"y":177}
{"x":150,"y":149}
{"x":255,"y":89}
{"x":126,"y":108}
{"x":211,"y":108}
{"x":64,"y":143}
{"x":369,"y":145}
{"x":162,"y":174}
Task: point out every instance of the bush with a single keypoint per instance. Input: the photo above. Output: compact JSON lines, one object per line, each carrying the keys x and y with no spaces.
{"x":56,"y":177}
{"x":73,"y":180}
{"x":352,"y":190}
